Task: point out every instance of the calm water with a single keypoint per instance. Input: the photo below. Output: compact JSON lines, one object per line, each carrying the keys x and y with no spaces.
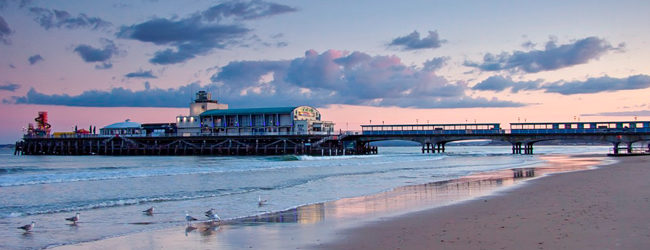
{"x":111,"y":191}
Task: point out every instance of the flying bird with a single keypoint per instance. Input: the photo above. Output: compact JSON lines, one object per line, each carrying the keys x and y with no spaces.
{"x":74,"y":219}
{"x":260,"y":202}
{"x":28,"y":227}
{"x":148,"y":211}
{"x":212,"y":214}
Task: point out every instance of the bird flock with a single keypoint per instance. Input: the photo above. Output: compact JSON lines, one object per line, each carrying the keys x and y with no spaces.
{"x":211,"y":214}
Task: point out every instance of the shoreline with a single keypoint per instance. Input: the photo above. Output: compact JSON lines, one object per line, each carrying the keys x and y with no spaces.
{"x":311,"y":225}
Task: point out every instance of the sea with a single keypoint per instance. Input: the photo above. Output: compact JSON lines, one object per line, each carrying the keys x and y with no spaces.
{"x":110,"y":192}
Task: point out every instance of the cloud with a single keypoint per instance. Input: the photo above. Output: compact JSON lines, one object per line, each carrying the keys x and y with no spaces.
{"x":11,"y":87}
{"x":5,"y":31}
{"x":501,"y":83}
{"x":553,"y":57}
{"x":242,"y":10}
{"x":201,"y":33}
{"x":34,"y":59}
{"x":622,"y":113}
{"x":589,"y":86}
{"x":190,"y":37}
{"x":91,"y":55}
{"x":116,"y":97}
{"x":436,"y":63}
{"x":597,"y":85}
{"x":528,"y":45}
{"x":104,"y":65}
{"x":141,"y":74}
{"x":62,"y":19}
{"x":413,"y":42}
{"x":21,"y":3}
{"x":317,"y":79}
{"x":339,"y":77}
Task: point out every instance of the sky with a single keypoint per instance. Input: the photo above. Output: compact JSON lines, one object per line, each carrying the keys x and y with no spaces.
{"x":94,"y":63}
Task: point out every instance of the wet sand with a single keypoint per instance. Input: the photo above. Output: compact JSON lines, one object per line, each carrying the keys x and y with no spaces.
{"x":607,"y":208}
{"x":564,"y":210}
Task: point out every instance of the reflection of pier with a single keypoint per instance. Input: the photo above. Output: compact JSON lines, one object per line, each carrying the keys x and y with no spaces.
{"x":307,"y":214}
{"x":399,"y":199}
{"x":523,"y":172}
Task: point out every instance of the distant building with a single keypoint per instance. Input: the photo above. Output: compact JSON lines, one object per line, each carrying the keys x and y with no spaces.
{"x":126,"y":128}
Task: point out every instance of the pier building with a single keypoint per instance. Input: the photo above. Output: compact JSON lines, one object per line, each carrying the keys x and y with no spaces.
{"x":191,"y":125}
{"x":284,"y":120}
{"x":209,"y":117}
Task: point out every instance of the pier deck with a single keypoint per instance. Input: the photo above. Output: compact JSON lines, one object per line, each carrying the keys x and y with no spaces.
{"x":194,"y":145}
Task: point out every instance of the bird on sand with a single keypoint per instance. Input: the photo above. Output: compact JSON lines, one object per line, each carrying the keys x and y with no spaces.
{"x":212,"y":214}
{"x":148,"y":211}
{"x":74,"y":219}
{"x":28,"y":227}
{"x":260,"y":202}
{"x":189,"y":218}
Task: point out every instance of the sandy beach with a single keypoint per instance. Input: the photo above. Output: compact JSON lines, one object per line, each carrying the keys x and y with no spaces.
{"x":605,"y":208}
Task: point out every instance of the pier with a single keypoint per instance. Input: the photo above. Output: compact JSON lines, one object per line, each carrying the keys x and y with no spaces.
{"x":432,"y":137}
{"x":320,"y":145}
{"x":211,"y":128}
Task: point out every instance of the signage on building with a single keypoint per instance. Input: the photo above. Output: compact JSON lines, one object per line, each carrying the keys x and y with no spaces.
{"x":305,"y":112}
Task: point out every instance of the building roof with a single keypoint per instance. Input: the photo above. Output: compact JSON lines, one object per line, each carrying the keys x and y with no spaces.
{"x":251,"y":111}
{"x":126,"y":124}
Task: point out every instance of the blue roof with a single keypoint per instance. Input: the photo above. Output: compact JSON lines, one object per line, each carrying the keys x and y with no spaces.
{"x":250,"y":111}
{"x":126,"y":124}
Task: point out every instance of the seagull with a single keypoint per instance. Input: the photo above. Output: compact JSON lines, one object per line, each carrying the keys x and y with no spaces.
{"x":189,"y":218}
{"x":74,"y":219}
{"x":212,"y":214}
{"x":28,"y":227}
{"x":260,"y":202}
{"x":148,"y":211}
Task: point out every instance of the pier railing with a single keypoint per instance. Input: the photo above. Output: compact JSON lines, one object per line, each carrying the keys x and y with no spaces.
{"x":221,"y":134}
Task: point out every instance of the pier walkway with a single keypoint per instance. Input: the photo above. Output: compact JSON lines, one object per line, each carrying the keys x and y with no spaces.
{"x":521,"y":136}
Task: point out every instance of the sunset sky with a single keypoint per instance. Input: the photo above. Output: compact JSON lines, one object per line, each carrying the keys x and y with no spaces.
{"x":397,"y":62}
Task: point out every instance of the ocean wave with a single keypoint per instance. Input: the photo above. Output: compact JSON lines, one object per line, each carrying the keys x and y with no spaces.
{"x":70,"y":207}
{"x":264,"y":164}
